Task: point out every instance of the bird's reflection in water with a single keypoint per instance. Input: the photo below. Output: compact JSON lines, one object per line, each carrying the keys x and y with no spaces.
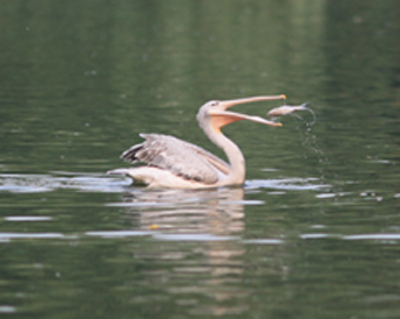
{"x":217,"y":212}
{"x":196,"y":259}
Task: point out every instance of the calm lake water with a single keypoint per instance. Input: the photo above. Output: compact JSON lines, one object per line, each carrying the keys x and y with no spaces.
{"x":313,"y":233}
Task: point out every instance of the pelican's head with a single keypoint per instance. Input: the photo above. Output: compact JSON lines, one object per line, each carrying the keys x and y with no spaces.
{"x":215,"y":114}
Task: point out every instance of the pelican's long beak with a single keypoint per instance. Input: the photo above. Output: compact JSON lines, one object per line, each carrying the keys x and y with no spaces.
{"x":221,"y":117}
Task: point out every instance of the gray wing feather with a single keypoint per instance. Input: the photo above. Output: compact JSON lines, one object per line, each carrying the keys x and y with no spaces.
{"x":181,"y":158}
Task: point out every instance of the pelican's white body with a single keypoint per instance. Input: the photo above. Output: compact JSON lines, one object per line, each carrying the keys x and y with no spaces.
{"x":155,"y":177}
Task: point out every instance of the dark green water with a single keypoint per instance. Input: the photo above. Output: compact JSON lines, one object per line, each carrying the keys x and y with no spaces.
{"x":313,"y":233}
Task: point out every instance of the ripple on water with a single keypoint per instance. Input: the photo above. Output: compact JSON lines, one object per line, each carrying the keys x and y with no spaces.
{"x":188,"y":237}
{"x":84,"y":182}
{"x":294,"y":184}
{"x":27,"y":218}
{"x":375,"y":237}
{"x":192,"y":237}
{"x":7,"y":309}
{"x":372,"y":237}
{"x":7,"y":236}
{"x":264,"y":241}
{"x":325,"y":195}
{"x":117,"y":234}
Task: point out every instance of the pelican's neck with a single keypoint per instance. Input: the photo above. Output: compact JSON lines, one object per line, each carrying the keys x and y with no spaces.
{"x":232,"y":151}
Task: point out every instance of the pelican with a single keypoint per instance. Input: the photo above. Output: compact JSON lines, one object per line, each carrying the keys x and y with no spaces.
{"x":174,"y":163}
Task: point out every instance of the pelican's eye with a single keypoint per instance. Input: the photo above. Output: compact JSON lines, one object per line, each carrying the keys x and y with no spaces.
{"x":213,"y":103}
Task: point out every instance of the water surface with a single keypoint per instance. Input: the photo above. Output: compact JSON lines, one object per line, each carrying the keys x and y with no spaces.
{"x":313,"y":233}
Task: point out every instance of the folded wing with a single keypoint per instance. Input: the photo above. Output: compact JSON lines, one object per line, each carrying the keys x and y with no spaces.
{"x":179,"y":157}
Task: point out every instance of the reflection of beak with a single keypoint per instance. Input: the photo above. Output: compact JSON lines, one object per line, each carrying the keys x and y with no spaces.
{"x":220,"y":117}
